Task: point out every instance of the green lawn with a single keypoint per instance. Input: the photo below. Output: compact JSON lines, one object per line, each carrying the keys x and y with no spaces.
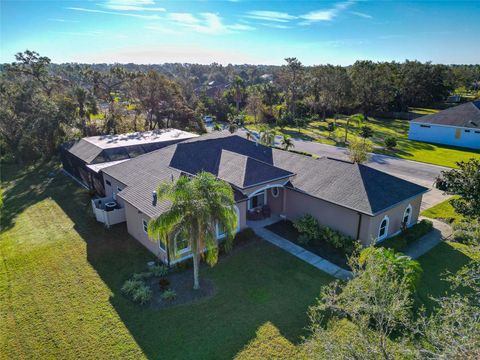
{"x":407,"y":149}
{"x":443,"y":211}
{"x":61,"y":271}
{"x":445,"y":258}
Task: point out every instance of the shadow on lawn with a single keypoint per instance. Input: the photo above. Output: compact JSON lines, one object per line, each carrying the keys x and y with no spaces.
{"x":437,"y":265}
{"x":218,"y":327}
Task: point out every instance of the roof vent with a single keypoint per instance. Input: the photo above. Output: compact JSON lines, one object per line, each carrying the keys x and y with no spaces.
{"x":154,"y":198}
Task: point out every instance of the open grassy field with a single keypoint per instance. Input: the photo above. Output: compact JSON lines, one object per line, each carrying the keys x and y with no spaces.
{"x":61,"y":273}
{"x":407,"y":149}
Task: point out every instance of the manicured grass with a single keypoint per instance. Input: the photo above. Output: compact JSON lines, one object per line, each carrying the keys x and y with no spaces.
{"x":443,"y":211}
{"x":446,"y":258}
{"x":61,"y":273}
{"x":407,"y":149}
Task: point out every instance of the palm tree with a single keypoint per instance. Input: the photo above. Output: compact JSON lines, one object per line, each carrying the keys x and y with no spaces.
{"x":87,"y":106}
{"x":287,"y":142}
{"x":238,"y":88}
{"x":358,"y":118}
{"x":267,"y":136}
{"x":198,"y":206}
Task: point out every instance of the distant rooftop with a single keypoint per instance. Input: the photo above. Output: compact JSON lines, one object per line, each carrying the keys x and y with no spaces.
{"x":465,"y":115}
{"x":136,"y":138}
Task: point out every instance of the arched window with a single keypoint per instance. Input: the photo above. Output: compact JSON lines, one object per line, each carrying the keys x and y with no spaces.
{"x":275,"y":191}
{"x":407,"y":215}
{"x":383,"y":230}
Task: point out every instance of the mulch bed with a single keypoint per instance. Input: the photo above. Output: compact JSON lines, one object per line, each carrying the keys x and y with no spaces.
{"x":319,"y":247}
{"x":182,"y":283}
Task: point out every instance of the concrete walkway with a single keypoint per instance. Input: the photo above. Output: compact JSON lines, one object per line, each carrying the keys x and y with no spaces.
{"x":305,"y":255}
{"x":440,"y":232}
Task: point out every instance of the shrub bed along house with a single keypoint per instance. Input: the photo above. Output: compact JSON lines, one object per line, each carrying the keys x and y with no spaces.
{"x":401,"y":241}
{"x":324,"y":242}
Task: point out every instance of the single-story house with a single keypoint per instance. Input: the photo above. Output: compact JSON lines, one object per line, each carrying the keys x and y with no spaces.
{"x":457,"y":126}
{"x":85,"y":158}
{"x":355,"y":199}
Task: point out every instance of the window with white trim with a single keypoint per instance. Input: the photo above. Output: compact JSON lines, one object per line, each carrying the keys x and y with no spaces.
{"x":181,"y":244}
{"x":145,"y":226}
{"x":161,"y":245}
{"x":407,"y":215}
{"x":257,"y":200}
{"x":220,"y":230}
{"x":383,"y":230}
{"x":275,"y":191}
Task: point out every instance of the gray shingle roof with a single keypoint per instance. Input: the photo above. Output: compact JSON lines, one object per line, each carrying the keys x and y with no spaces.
{"x":465,"y":115}
{"x":242,"y":163}
{"x":243,"y":171}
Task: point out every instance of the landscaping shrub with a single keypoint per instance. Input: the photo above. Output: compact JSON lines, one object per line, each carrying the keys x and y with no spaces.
{"x":168,"y":295}
{"x":308,"y":227}
{"x":159,"y":270}
{"x":390,"y":142}
{"x":130,"y":286}
{"x":310,"y":230}
{"x":142,"y":294}
{"x":337,"y":239}
{"x":410,"y":235}
{"x":467,"y":232}
{"x":142,"y":276}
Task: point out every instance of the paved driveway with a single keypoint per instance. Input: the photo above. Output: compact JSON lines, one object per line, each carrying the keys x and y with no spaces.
{"x":417,"y":172}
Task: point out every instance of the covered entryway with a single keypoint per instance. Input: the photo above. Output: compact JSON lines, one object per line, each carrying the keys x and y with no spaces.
{"x":266,"y":206}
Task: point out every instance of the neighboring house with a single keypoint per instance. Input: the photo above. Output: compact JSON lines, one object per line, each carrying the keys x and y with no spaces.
{"x":84,"y":159}
{"x":457,"y":126}
{"x":359,"y":201}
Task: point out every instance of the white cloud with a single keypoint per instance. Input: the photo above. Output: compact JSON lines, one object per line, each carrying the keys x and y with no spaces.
{"x":207,"y":23}
{"x":63,"y":20}
{"x":276,"y":26}
{"x":275,"y":16}
{"x":327,"y":14}
{"x":131,"y":5}
{"x":148,"y":17}
{"x":184,"y":18}
{"x":360,"y":14}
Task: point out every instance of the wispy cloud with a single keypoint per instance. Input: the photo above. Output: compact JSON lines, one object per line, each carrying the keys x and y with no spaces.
{"x":131,"y":5}
{"x":148,"y":17}
{"x":275,"y":16}
{"x":325,"y":14}
{"x":63,"y":20}
{"x":207,"y":23}
{"x":276,"y":26}
{"x":360,"y":14}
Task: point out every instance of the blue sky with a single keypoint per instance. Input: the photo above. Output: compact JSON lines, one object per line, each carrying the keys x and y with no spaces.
{"x":257,"y":32}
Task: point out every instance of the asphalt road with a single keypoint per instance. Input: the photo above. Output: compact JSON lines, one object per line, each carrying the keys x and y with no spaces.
{"x":417,"y":172}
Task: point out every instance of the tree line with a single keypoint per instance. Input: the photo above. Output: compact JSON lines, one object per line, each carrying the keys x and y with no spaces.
{"x":45,"y":104}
